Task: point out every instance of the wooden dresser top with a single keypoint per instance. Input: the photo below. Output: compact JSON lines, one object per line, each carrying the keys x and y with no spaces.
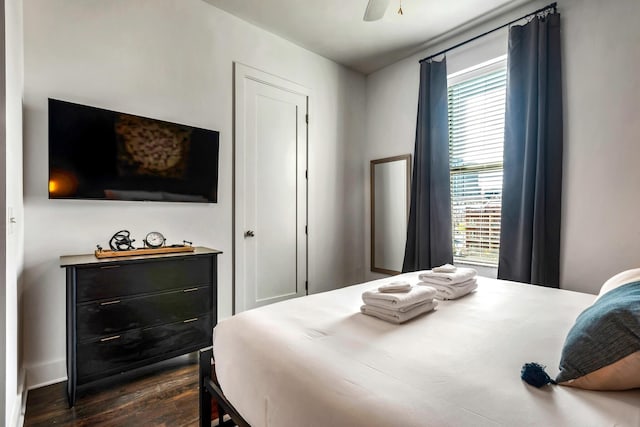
{"x":89,"y":259}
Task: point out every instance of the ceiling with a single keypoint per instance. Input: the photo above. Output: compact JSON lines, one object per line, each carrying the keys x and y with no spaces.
{"x":335,"y":29}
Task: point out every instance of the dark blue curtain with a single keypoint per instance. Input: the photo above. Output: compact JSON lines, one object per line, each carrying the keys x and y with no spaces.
{"x":532,"y":181}
{"x":429,"y":229}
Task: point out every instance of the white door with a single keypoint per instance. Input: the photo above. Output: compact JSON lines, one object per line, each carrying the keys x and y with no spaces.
{"x":270,"y":218}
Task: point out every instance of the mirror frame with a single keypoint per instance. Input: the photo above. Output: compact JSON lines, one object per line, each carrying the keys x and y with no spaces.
{"x":406,"y":158}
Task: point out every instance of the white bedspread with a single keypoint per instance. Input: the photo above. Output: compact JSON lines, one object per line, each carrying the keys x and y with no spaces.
{"x":317,"y":361}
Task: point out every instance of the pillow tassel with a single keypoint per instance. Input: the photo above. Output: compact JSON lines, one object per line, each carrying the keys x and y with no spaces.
{"x":534,"y":374}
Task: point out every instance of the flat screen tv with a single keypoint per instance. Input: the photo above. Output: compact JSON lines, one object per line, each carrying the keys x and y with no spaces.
{"x":107,"y":155}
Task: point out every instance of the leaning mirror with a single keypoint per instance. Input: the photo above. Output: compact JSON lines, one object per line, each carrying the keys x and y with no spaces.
{"x":390,"y":179}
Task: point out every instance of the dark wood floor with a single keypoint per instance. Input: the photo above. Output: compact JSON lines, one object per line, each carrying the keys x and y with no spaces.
{"x":162,"y":395}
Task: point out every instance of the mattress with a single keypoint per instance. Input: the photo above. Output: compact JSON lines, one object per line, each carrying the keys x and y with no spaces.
{"x":317,"y":361}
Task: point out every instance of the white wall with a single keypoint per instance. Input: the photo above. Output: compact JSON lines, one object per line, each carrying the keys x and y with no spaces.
{"x":3,"y":206}
{"x":602,"y":130}
{"x":14,"y":232}
{"x":172,"y":60}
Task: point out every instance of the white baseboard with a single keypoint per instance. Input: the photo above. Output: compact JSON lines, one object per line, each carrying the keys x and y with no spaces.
{"x":46,"y":374}
{"x":23,"y":407}
{"x":20,"y":403}
{"x":15,"y":412}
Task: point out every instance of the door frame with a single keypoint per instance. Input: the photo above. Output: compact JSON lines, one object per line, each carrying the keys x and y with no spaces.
{"x":242,"y":72}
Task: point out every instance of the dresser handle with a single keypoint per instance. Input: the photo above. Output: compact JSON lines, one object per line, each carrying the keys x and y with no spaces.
{"x":110,"y":302}
{"x":115,"y":337}
{"x":109,"y":266}
{"x":190,"y":320}
{"x":190,"y":290}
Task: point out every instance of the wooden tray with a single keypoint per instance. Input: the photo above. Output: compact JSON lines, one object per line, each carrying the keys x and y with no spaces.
{"x":143,"y":251}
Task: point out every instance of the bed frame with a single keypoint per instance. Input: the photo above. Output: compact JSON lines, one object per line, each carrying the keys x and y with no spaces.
{"x":210,"y":392}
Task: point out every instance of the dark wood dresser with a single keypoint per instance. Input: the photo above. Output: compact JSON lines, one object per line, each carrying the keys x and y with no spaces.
{"x":128,"y":312}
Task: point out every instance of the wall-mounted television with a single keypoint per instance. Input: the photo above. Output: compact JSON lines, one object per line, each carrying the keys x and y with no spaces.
{"x":107,"y":155}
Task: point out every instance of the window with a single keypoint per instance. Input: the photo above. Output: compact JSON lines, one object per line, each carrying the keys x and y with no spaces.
{"x":476,"y":99}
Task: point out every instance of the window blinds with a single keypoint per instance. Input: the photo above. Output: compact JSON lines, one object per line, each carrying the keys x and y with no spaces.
{"x":476,"y":135}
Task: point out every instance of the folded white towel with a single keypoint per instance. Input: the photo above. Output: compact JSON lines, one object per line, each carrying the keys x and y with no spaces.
{"x":398,"y":300}
{"x":458,"y":290}
{"x":447,"y":268}
{"x":397,"y":317}
{"x":401,"y":286}
{"x":461,"y":275}
{"x":403,"y":309}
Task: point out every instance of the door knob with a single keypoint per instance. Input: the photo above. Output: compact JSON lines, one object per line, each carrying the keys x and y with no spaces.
{"x":249,"y":233}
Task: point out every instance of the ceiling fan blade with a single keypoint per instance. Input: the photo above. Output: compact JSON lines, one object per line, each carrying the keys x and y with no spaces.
{"x":375,"y":9}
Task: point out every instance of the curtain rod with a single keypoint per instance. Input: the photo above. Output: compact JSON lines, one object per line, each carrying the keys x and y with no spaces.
{"x":550,"y":6}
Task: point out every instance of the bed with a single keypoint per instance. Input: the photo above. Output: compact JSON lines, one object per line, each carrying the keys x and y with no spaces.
{"x":317,"y":361}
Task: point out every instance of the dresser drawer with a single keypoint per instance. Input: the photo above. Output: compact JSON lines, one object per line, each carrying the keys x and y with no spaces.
{"x":98,"y":319}
{"x":121,"y":280}
{"x":121,"y":352}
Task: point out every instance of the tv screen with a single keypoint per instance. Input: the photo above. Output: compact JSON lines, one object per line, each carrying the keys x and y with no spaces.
{"x":102,"y":154}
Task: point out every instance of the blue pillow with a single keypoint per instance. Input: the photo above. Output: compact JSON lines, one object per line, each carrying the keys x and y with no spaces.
{"x":603,"y":334}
